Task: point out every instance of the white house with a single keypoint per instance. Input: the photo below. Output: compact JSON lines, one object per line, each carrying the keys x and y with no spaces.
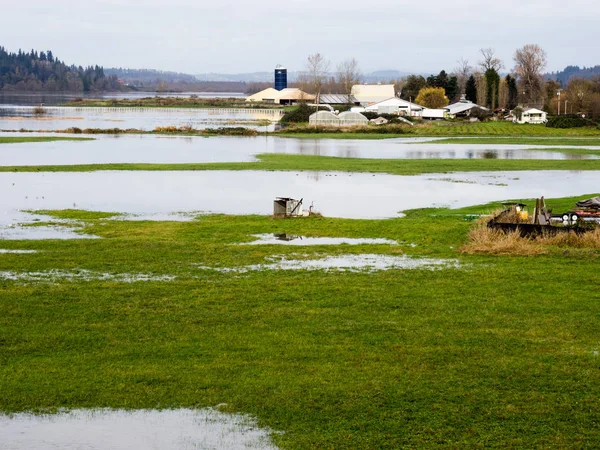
{"x":396,"y":105}
{"x":532,"y":115}
{"x":367,"y":94}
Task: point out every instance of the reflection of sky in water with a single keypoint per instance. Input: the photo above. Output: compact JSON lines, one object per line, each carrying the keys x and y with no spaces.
{"x":59,"y":118}
{"x":181,"y":429}
{"x":335,"y":194}
{"x":180,"y":149}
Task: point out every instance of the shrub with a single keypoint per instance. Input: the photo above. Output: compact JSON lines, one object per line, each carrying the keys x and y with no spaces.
{"x":570,"y":121}
{"x":300,"y":114}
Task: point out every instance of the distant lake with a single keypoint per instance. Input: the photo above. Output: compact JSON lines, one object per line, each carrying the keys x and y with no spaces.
{"x":59,"y":98}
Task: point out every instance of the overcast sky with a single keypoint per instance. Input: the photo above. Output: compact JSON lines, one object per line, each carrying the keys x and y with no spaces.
{"x":233,"y":36}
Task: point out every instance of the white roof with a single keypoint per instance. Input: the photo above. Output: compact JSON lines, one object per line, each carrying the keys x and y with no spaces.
{"x":269,"y":93}
{"x":462,"y":106}
{"x":534,"y":111}
{"x":371,"y":93}
{"x":395,"y":101}
{"x":274,"y":94}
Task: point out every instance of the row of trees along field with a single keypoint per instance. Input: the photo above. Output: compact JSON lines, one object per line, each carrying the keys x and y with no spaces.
{"x":482,"y":83}
{"x":42,"y":71}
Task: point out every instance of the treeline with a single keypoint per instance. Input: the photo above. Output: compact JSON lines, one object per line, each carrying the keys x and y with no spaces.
{"x":564,"y":76}
{"x":33,"y":71}
{"x":142,"y":77}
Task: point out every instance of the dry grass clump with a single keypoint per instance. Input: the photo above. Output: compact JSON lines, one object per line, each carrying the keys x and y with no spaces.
{"x":591,"y":239}
{"x":484,"y":240}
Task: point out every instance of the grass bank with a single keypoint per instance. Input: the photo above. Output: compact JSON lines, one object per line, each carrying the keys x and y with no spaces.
{"x":19,"y":139}
{"x":329,"y":164}
{"x":441,"y":128}
{"x":501,"y":353}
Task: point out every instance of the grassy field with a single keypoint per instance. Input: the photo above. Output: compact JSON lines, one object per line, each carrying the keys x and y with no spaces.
{"x":19,"y":139}
{"x":502,"y":352}
{"x":326,"y":163}
{"x":442,"y":128}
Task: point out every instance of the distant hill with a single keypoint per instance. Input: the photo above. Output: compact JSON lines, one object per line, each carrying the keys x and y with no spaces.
{"x":44,"y":72}
{"x":140,"y":77}
{"x":263,"y":77}
{"x":574,"y":72}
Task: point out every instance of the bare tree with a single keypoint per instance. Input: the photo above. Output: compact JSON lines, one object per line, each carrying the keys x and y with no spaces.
{"x":462,"y":72}
{"x":348,"y":75}
{"x":530,"y":61}
{"x":317,"y":68}
{"x":490,"y":61}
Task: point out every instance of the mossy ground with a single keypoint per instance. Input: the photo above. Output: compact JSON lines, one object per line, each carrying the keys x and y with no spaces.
{"x":501,"y":353}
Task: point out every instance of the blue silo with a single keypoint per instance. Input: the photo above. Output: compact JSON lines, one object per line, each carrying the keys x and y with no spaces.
{"x":280,"y":77}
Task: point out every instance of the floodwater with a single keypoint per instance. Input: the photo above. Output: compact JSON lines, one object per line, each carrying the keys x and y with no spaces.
{"x":334,"y":194}
{"x":103,"y":429}
{"x":53,"y":275}
{"x":302,"y":241}
{"x":346,"y":263}
{"x":161,"y":149}
{"x":56,"y":99}
{"x":60,"y":118}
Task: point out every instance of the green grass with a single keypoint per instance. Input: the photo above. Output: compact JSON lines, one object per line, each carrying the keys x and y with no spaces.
{"x":503,"y":353}
{"x":327,"y":163}
{"x":20,"y":140}
{"x":569,"y":141}
{"x":443,"y":128}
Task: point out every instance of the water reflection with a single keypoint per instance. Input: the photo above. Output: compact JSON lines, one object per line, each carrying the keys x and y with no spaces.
{"x":335,"y":194}
{"x":103,"y":429}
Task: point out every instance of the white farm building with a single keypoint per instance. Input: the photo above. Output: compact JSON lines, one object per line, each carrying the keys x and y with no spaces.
{"x":396,"y":105}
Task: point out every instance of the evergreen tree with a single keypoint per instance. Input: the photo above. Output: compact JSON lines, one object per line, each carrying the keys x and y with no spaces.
{"x":492,"y":80}
{"x":414,"y":83}
{"x":513,"y":92}
{"x":452,"y":88}
{"x":471,"y":89}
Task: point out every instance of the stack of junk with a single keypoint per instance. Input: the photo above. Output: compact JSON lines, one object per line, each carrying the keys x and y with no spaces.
{"x":515,"y":217}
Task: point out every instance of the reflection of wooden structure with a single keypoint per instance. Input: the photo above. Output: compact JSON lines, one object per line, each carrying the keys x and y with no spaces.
{"x":287,"y":207}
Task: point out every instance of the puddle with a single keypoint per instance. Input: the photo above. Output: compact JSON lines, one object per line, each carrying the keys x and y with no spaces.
{"x":12,"y":227}
{"x":346,"y":263}
{"x":106,"y":149}
{"x":102,"y":429}
{"x":49,"y":276}
{"x":335,"y":194}
{"x":17,"y":252}
{"x":291,"y":239}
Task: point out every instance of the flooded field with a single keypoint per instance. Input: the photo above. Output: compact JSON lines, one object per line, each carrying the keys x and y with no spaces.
{"x":102,"y":429}
{"x":346,"y":263}
{"x":158,"y":149}
{"x":60,"y":118}
{"x":157,"y":195}
{"x":303,"y":241}
{"x":57,"y":99}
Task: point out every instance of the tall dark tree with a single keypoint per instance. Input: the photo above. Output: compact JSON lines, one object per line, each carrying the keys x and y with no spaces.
{"x":452,"y":88}
{"x":513,"y":92}
{"x":471,"y":89}
{"x":492,"y":80}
